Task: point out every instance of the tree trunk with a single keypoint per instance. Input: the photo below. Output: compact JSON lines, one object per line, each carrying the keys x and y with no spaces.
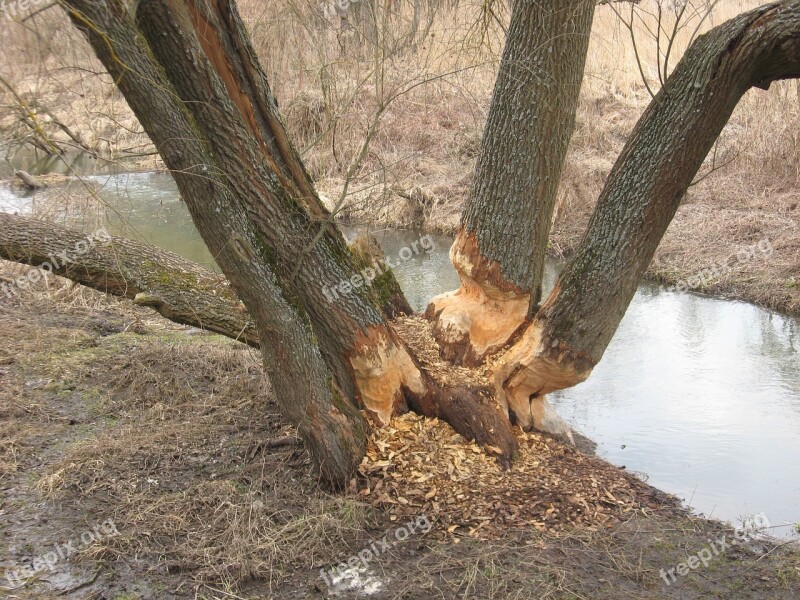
{"x":575,"y":325}
{"x":178,"y":289}
{"x":500,"y":247}
{"x":189,"y":73}
{"x":28,"y":180}
{"x":332,"y":427}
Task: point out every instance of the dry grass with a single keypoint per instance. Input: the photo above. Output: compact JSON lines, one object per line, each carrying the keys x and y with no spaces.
{"x":167,"y":435}
{"x":176,"y":455}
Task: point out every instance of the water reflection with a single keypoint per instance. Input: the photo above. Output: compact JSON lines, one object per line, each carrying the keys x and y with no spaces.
{"x":703,"y":395}
{"x":36,"y":162}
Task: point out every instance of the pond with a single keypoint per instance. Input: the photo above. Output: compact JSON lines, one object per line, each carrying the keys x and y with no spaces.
{"x":701,"y":396}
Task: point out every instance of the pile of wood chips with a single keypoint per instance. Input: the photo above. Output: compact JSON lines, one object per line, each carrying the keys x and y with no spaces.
{"x":419,"y":466}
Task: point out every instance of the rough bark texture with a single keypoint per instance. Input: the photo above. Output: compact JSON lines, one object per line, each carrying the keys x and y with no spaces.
{"x":500,"y":247}
{"x":178,"y":289}
{"x":188,"y":71}
{"x":206,"y":54}
{"x":332,"y":427}
{"x":643,"y":192}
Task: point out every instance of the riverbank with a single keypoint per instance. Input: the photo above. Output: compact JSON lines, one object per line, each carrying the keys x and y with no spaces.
{"x":747,"y":249}
{"x":112,"y":414}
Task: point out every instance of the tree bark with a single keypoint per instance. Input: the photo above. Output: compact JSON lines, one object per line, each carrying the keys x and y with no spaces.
{"x":188,"y":71}
{"x":308,"y":392}
{"x":666,"y":149}
{"x":178,"y":289}
{"x":501,"y":244}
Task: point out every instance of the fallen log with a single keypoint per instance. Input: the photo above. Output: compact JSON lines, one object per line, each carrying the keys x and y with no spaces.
{"x":178,"y":289}
{"x":28,"y":180}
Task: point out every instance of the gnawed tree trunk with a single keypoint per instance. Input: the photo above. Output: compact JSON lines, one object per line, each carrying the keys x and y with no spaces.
{"x":500,"y":247}
{"x":178,"y":289}
{"x":666,"y":149}
{"x":211,"y":181}
{"x":189,"y":73}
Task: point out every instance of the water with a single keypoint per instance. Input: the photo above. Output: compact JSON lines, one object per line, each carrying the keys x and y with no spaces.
{"x":141,"y":206}
{"x":701,"y":395}
{"x":36,"y":162}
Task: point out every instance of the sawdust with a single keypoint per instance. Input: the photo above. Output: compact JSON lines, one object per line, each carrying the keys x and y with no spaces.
{"x":417,"y":333}
{"x":421,"y":466}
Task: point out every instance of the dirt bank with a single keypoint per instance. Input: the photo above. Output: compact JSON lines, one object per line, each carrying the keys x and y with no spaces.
{"x":111,"y":415}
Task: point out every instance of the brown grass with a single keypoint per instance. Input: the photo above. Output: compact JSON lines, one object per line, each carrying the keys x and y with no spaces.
{"x":166,"y":433}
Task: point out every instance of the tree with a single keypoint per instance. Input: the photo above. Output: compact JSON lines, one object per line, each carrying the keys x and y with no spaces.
{"x":188,"y":71}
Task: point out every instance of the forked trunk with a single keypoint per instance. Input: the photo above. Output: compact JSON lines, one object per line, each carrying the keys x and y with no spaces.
{"x":666,"y":149}
{"x":188,"y":71}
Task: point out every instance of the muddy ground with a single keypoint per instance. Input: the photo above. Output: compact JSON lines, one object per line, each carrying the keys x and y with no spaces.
{"x":163,"y":448}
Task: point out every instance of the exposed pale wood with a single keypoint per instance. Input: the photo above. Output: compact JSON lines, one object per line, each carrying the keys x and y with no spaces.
{"x":479,"y":318}
{"x":525,"y":374}
{"x":389,"y":380}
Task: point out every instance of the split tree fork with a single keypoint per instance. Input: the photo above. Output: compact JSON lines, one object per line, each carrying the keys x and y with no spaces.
{"x":556,"y":344}
{"x":188,"y":71}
